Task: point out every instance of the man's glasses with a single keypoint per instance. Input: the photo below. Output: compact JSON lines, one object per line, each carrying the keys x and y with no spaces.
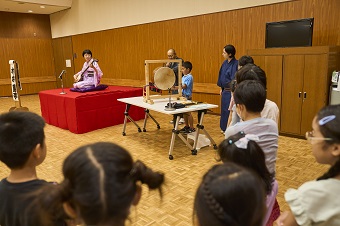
{"x":310,"y":137}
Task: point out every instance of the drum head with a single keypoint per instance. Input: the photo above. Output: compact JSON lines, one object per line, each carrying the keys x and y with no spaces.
{"x":164,"y":78}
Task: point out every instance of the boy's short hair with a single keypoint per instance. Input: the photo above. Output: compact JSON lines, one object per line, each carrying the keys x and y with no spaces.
{"x":251,"y":72}
{"x":244,"y":60}
{"x":187,"y":64}
{"x":20,"y":132}
{"x":251,"y":94}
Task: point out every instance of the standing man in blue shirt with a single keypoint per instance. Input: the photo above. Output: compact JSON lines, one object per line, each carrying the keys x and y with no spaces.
{"x":226,"y":75}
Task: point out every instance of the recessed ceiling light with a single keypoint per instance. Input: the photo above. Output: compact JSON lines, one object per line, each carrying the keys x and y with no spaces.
{"x":42,"y":7}
{"x":30,"y":11}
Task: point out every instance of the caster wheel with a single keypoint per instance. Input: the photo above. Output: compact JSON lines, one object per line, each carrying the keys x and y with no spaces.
{"x":194,"y":152}
{"x":158,"y":127}
{"x":144,"y":130}
{"x":215,"y":146}
{"x":124,"y":134}
{"x":171,"y":157}
{"x":139,"y":130}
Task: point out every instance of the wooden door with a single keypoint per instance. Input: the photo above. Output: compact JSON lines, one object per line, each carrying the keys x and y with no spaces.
{"x":273,"y":69}
{"x":315,"y":88}
{"x":272,"y":65}
{"x":292,"y":92}
{"x":62,"y":51}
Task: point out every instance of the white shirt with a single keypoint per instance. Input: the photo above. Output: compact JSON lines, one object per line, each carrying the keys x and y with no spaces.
{"x":316,"y":203}
{"x":266,"y":130}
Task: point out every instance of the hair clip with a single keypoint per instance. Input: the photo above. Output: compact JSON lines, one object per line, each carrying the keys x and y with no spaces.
{"x":230,"y":141}
{"x":326,"y":119}
{"x":243,"y":142}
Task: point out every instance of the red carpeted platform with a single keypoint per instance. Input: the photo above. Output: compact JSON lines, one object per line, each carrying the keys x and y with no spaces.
{"x":84,"y":112}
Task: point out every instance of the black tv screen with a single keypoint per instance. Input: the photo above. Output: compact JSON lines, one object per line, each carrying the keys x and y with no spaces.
{"x":291,"y":33}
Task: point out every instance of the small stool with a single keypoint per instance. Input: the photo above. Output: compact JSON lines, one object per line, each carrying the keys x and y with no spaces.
{"x":202,"y":140}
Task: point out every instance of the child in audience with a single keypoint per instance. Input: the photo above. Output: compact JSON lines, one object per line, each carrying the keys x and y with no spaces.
{"x":101,"y":183}
{"x":229,"y":195}
{"x":253,"y":72}
{"x":317,"y":202}
{"x":22,"y":149}
{"x":233,"y":117}
{"x":242,"y":149}
{"x":187,"y":86}
{"x":250,"y":97}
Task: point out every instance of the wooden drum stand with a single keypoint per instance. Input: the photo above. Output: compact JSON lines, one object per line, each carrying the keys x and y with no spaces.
{"x":164,"y":79}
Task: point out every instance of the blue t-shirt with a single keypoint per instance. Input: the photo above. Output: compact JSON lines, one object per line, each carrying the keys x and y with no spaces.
{"x":188,"y":80}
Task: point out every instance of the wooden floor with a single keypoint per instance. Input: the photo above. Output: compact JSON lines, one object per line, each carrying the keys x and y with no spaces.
{"x":295,"y":163}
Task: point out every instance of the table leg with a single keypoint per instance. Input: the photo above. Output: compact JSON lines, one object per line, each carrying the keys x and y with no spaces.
{"x":147,"y":113}
{"x":200,"y":126}
{"x":127,"y":116}
{"x":175,"y":131}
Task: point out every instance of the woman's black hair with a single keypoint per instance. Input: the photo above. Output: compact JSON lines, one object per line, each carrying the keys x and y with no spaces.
{"x":252,"y":158}
{"x":330,"y":129}
{"x":230,"y":49}
{"x":99,"y":182}
{"x":87,"y":51}
{"x":229,"y":195}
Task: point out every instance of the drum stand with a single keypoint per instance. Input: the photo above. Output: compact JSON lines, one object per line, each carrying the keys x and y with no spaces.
{"x":169,"y":108}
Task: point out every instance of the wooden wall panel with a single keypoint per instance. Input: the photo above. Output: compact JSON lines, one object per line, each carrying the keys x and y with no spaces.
{"x":200,"y":39}
{"x":26,"y":38}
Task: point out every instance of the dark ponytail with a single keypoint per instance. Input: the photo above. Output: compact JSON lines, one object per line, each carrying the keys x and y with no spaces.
{"x":145,"y":175}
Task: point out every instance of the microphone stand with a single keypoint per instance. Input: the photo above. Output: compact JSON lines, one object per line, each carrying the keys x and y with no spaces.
{"x":62,"y":84}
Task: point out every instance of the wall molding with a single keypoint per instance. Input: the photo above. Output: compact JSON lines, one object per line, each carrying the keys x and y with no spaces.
{"x":27,"y":80}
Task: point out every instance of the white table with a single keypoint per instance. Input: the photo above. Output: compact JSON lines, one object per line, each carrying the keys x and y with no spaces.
{"x":159,"y":106}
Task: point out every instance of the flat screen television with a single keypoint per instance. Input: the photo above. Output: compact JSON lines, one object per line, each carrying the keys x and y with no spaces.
{"x":290,"y":33}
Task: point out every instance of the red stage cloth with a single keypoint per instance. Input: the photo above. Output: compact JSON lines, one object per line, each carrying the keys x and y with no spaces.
{"x":84,"y":112}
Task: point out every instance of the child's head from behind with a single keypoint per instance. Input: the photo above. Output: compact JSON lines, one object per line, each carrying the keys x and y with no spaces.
{"x":100,"y":184}
{"x":229,"y":195}
{"x":251,"y":72}
{"x":249,"y":95}
{"x":244,"y":60}
{"x":21,"y":133}
{"x":242,"y":149}
{"x":186,"y":67}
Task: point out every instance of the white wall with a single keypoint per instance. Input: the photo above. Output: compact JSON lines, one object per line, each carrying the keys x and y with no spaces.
{"x":89,"y":16}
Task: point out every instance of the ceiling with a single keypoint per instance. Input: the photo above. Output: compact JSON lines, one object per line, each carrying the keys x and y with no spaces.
{"x":37,"y":7}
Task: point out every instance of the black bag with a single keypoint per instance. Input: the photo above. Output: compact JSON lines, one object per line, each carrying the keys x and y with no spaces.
{"x":175,"y":105}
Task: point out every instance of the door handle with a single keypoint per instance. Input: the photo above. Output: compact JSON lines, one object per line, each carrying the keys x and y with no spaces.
{"x":304,"y":96}
{"x":300,"y":94}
